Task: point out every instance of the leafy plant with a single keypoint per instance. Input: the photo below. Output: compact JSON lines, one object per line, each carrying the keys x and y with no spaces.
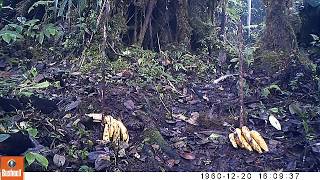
{"x":267,"y":91}
{"x":32,"y":157}
{"x":316,"y":40}
{"x":302,"y":112}
{"x":85,"y":168}
{"x":33,"y":132}
{"x":28,"y":29}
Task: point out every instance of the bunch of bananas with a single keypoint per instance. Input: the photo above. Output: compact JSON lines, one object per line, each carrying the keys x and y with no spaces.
{"x":114,"y":130}
{"x":250,"y":140}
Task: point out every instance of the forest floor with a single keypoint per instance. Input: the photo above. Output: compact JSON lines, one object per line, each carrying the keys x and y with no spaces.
{"x":194,"y":118}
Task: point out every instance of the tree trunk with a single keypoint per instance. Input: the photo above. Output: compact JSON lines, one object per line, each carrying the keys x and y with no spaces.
{"x":184,"y":31}
{"x":278,"y":41}
{"x":145,"y":25}
{"x":278,"y":34}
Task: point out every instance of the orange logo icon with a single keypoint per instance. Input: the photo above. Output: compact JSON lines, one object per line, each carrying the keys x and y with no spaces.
{"x":12,"y":167}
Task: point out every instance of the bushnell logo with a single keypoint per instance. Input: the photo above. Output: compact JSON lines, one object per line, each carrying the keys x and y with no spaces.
{"x":12,"y":163}
{"x":12,"y":167}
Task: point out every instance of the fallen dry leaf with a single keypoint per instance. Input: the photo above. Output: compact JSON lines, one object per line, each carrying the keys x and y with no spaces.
{"x":59,"y":160}
{"x":129,"y":104}
{"x":274,"y":122}
{"x":188,"y":155}
{"x":194,"y":118}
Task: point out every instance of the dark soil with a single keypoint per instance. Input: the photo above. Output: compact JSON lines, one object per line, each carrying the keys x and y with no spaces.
{"x":59,"y":116}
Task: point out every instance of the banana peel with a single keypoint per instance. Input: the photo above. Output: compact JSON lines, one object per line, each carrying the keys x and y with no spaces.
{"x":249,"y":140}
{"x":114,"y":130}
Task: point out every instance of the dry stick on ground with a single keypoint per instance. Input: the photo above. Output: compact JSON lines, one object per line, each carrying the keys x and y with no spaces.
{"x":242,"y":120}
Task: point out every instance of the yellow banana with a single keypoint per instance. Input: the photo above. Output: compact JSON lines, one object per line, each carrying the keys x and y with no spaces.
{"x":123,"y":131}
{"x":107,"y":119}
{"x":114,"y":130}
{"x":259,"y":139}
{"x":246,"y":133}
{"x":116,"y":134}
{"x":233,"y":140}
{"x":111,"y":130}
{"x":244,"y":143}
{"x":255,"y":146}
{"x":106,"y":136}
{"x":238,"y":132}
{"x":237,"y":135}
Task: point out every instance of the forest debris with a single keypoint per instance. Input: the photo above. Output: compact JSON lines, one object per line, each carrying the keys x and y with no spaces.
{"x":188,"y":155}
{"x":59,"y":160}
{"x":274,"y":122}
{"x":250,"y":140}
{"x":92,"y":156}
{"x":316,"y":147}
{"x":179,"y":117}
{"x":129,"y":104}
{"x":193,"y":119}
{"x":95,"y":116}
{"x":72,"y":105}
{"x":295,"y":108}
{"x":222,"y":78}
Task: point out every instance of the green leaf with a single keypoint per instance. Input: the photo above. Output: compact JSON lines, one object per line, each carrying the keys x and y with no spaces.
{"x":30,"y":158}
{"x":265,"y":92}
{"x":274,"y":110}
{"x":36,"y":4}
{"x":32,"y":132}
{"x":3,"y":137}
{"x":31,"y":23}
{"x":7,"y":38}
{"x":42,"y":160}
{"x":26,"y":93}
{"x":295,"y":108}
{"x":274,"y":86}
{"x":42,"y":85}
{"x":41,"y":37}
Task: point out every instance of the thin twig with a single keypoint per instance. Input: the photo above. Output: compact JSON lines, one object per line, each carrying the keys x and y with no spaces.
{"x":241,"y":73}
{"x":103,"y":53}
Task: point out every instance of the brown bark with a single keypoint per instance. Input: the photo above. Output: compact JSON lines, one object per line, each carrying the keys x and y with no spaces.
{"x":242,"y":119}
{"x":145,"y":25}
{"x":278,"y":34}
{"x":184,"y":31}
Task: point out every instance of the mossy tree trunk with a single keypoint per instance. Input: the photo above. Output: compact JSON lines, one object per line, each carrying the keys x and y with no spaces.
{"x":278,"y":41}
{"x":279,"y":34}
{"x":184,"y":30}
{"x":203,"y":29}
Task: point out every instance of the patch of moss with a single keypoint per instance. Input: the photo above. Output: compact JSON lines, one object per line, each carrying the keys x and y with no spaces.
{"x":153,"y":136}
{"x":270,"y":62}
